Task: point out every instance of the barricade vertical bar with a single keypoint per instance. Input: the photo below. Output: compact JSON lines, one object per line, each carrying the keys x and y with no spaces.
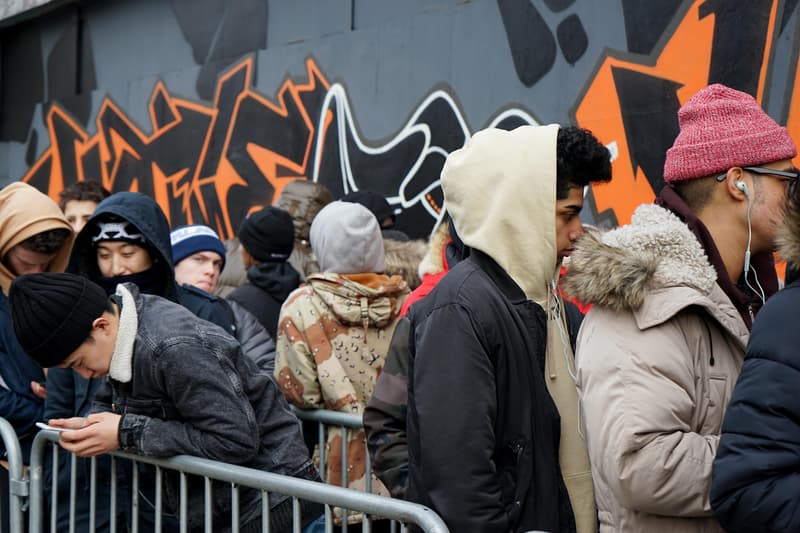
{"x":368,"y":462}
{"x":36,"y":475}
{"x":184,"y":496}
{"x":344,"y":474}
{"x":93,"y":495}
{"x":296,"y":520}
{"x":265,"y":525}
{"x":207,"y":504}
{"x":159,"y":505}
{"x":113,"y":503}
{"x":73,"y":472}
{"x":328,"y":519}
{"x":54,"y":489}
{"x":367,"y":521}
{"x":135,"y":499}
{"x":234,"y":508}
{"x":322,"y":450}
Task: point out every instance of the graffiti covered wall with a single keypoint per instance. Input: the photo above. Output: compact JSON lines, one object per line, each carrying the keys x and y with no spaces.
{"x":212,"y":106}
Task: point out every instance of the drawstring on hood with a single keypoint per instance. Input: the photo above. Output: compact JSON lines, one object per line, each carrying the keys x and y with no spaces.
{"x":513,"y":224}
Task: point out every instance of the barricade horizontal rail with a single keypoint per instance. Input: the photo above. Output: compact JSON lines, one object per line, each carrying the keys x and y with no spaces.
{"x":298,"y":489}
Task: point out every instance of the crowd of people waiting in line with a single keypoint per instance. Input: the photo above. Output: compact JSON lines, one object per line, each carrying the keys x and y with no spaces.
{"x":486,"y":394}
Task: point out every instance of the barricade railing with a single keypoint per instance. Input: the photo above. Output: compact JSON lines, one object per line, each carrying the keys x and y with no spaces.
{"x":325,"y":420}
{"x":17,"y":484}
{"x":344,"y":421}
{"x":237,"y":476}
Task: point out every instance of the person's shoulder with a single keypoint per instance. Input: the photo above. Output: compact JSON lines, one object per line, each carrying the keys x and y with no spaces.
{"x":190,"y":291}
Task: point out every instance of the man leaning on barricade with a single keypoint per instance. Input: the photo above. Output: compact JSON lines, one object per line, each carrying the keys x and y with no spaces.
{"x":176,"y":385}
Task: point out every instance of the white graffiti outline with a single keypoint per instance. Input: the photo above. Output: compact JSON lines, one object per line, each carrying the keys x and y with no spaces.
{"x":336,"y":102}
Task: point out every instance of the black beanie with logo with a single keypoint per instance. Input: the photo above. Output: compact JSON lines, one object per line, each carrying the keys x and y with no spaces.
{"x":268,"y":235}
{"x":53,"y":314}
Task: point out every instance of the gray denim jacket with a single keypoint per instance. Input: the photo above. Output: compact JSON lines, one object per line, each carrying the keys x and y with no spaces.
{"x":183,"y":386}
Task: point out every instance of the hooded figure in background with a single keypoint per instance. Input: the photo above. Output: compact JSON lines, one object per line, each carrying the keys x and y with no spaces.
{"x":334,"y":332}
{"x":493,"y":427}
{"x":26,"y":213}
{"x":303,"y":200}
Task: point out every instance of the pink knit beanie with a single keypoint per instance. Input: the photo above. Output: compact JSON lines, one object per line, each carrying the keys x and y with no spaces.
{"x":722,"y":128}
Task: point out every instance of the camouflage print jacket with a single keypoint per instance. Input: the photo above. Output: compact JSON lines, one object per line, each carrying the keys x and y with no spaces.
{"x":333,"y":336}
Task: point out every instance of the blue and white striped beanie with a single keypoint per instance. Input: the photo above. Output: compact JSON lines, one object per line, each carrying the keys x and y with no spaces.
{"x":188,"y":240}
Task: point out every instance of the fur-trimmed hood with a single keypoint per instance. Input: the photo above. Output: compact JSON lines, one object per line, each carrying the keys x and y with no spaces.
{"x":789,"y":236}
{"x":655,"y":251}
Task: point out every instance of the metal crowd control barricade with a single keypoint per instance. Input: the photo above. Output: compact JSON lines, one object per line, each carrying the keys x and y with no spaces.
{"x":17,"y":484}
{"x":236,"y":476}
{"x":344,"y":421}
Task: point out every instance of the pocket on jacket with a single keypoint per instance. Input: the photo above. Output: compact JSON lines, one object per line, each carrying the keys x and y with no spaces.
{"x":717,"y":400}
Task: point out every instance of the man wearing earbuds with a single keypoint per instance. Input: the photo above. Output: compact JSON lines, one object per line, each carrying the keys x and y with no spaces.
{"x":674,"y":295}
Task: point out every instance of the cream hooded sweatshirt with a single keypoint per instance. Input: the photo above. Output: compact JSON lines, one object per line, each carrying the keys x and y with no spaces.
{"x":509,"y":213}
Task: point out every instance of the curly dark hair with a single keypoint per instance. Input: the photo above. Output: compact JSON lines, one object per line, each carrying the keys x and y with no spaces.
{"x":47,"y":242}
{"x":81,"y":191}
{"x":581,"y":160}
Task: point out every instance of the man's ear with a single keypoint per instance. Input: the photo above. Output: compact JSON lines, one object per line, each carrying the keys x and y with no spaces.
{"x":733,"y":181}
{"x":101,"y":324}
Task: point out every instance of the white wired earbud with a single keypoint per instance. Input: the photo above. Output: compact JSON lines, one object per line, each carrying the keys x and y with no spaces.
{"x":742,"y":186}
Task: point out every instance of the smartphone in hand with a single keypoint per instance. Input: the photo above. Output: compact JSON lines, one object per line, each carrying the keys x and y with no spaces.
{"x":42,"y":425}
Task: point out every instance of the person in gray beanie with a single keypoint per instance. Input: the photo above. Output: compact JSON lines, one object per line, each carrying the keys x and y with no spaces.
{"x":334,"y":332}
{"x":215,"y":404}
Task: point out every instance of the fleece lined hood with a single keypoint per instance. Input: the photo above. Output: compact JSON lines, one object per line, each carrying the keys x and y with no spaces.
{"x":500,"y":190}
{"x":346,"y":239}
{"x":366,"y":300}
{"x":655,"y":251}
{"x":25,"y":213}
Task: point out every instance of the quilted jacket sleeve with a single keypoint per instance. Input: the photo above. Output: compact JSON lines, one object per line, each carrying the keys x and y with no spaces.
{"x":756,"y":479}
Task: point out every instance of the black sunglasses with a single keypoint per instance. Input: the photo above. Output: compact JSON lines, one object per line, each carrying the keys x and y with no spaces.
{"x":791,"y":176}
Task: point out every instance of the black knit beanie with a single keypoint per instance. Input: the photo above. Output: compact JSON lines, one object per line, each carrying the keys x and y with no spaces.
{"x":268,"y":235}
{"x":53,"y":314}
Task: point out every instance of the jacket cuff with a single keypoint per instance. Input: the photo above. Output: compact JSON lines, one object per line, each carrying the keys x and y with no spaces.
{"x":130,"y":432}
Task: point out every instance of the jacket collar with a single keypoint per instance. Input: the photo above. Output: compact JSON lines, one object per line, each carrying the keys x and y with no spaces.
{"x":507,"y":286}
{"x":121,"y":368}
{"x":763,"y":263}
{"x":618,"y":268}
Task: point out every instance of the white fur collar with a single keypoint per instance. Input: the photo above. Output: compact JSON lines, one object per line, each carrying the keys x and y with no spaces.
{"x":121,"y":368}
{"x":656,"y":250}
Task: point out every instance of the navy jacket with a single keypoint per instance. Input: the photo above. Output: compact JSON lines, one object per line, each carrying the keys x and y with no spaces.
{"x":756,"y":477}
{"x":18,"y":404}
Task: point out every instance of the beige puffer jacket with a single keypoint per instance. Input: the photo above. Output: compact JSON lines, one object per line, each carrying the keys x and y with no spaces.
{"x":657,"y":358}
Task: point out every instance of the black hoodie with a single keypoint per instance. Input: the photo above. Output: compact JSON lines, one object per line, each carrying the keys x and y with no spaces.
{"x":269,"y":284}
{"x":146,"y":215}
